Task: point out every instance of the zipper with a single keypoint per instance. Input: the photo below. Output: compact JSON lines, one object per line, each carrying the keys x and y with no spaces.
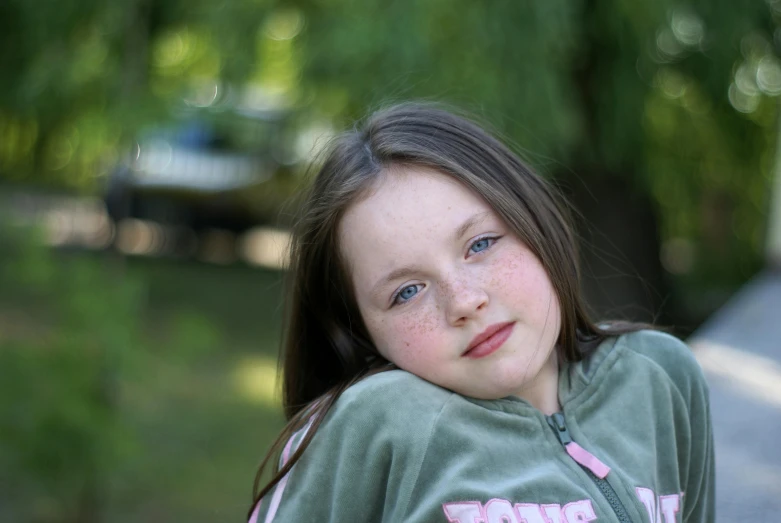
{"x":594,"y":468}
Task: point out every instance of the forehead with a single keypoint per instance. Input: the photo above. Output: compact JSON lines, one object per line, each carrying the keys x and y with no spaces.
{"x":407,"y":214}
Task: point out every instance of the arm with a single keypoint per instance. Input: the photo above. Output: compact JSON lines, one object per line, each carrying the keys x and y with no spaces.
{"x":699,"y":498}
{"x":694,"y":449}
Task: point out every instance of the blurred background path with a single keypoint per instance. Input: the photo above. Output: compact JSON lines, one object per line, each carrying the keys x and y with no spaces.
{"x":740,"y":350}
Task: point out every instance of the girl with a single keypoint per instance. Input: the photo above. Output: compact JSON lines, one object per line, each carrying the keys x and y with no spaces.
{"x":439,"y":363}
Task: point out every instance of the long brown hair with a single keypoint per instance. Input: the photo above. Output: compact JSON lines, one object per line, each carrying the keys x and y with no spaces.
{"x":326,"y":345}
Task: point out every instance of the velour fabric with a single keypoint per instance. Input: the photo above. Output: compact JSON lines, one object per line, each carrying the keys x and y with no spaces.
{"x":396,"y":448}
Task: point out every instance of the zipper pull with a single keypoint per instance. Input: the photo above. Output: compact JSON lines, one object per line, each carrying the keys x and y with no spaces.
{"x":556,"y":421}
{"x":583,"y":457}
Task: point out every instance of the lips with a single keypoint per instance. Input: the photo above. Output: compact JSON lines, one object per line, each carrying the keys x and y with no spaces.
{"x":489,"y":340}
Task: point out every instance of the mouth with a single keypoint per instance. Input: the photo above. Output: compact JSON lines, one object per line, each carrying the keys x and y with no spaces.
{"x":489,"y":341}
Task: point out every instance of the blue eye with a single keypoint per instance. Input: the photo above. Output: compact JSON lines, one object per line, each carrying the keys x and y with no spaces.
{"x":406,"y":293}
{"x":481,"y":245}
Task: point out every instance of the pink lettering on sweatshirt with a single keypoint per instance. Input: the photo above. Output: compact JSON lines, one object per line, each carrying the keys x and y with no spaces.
{"x":503,"y":511}
{"x":661,"y":509}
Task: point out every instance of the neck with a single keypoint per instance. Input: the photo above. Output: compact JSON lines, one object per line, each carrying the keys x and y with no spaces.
{"x":543,"y":391}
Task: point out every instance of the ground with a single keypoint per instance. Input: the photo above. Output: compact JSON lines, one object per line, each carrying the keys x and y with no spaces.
{"x":740,"y":351}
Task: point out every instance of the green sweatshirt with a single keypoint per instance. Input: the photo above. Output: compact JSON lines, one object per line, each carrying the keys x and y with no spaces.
{"x":633,"y":443}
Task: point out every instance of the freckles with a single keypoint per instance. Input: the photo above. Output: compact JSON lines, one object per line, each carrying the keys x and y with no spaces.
{"x":507,"y":270}
{"x":420,"y":324}
{"x":523,"y":276}
{"x":447,"y":292}
{"x":417,"y":333}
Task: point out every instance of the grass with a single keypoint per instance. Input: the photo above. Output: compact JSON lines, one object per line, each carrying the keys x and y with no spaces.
{"x":199,"y":407}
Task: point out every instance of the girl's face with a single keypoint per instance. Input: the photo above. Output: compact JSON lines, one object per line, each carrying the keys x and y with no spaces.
{"x":447,"y":291}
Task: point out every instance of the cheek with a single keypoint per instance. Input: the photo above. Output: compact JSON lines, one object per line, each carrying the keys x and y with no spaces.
{"x":410,"y":337}
{"x":508,"y":270}
{"x":526,"y":283}
{"x":517,"y":271}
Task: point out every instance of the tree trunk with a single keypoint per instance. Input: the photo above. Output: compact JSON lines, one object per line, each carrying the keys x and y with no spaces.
{"x":622,"y":273}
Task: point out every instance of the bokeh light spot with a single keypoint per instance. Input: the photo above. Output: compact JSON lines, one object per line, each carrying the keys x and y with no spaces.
{"x":255,"y":379}
{"x":266,"y":247}
{"x":742,"y":101}
{"x":284,"y":24}
{"x":672,"y":84}
{"x":769,"y":75}
{"x":745,"y":79}
{"x":687,"y":27}
{"x":677,"y":255}
{"x":171,"y":50}
{"x":668,"y":44}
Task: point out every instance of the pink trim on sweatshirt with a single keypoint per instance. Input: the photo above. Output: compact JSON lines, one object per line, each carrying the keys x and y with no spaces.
{"x":587,"y":459}
{"x":254,"y":517}
{"x":286,"y":451}
{"x":279,"y":488}
{"x":276,"y":499}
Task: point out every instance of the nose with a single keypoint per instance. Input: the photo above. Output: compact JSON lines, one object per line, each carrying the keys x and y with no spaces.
{"x":464,"y":299}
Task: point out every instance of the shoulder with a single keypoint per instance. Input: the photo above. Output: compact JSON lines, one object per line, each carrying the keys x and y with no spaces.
{"x":665,"y":354}
{"x":379,"y":428}
{"x":396,"y":384}
{"x":394,"y":400}
{"x":389,"y":412}
{"x":392,"y":411}
{"x":363,"y":460}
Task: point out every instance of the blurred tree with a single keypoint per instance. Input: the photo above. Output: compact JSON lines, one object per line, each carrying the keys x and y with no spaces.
{"x":81,"y":76}
{"x":661,"y":112}
{"x":76,"y":347}
{"x":61,"y":432}
{"x":639,"y":109}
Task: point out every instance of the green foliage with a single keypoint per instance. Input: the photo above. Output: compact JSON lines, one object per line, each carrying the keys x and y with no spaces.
{"x":80,"y":77}
{"x":661,"y":96}
{"x":60,"y":432}
{"x":592,"y":89}
{"x":131,"y":389}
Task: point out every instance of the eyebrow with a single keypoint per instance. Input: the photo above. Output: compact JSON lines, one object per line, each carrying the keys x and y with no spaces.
{"x":401,"y":272}
{"x":408,"y":270}
{"x":473,"y":220}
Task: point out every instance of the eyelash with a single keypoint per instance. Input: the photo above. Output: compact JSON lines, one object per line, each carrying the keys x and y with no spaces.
{"x":493,"y":239}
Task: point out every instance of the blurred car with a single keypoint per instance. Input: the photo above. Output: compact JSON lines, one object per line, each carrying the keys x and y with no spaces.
{"x":226,"y":171}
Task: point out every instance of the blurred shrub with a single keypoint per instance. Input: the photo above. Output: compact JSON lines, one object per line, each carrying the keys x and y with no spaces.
{"x":60,"y":432}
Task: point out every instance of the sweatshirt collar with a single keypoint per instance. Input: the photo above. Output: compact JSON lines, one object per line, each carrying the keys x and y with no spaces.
{"x":575,"y":380}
